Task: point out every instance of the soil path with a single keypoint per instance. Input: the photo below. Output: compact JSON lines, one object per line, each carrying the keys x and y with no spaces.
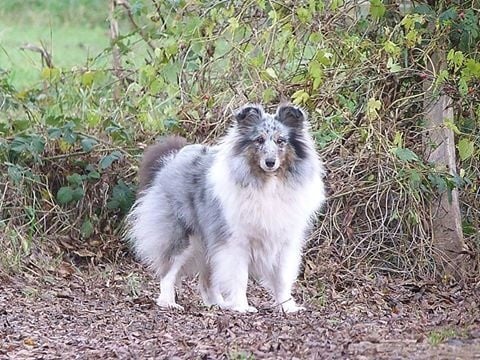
{"x":108,"y":312}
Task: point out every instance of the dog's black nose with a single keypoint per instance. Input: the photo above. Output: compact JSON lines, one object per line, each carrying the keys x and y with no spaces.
{"x":270,"y":163}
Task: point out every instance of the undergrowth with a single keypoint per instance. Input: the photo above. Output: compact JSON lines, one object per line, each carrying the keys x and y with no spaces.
{"x":70,"y":144}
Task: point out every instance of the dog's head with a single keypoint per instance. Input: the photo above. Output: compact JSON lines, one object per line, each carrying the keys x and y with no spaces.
{"x":271,"y":142}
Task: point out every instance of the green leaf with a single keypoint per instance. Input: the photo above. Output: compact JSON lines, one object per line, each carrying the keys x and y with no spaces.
{"x":15,"y":173}
{"x":19,"y":144}
{"x":324,"y":57}
{"x":64,"y":195}
{"x":88,"y":144}
{"x":392,"y":66}
{"x":449,"y":124}
{"x":156,"y":86}
{"x":51,"y":74}
{"x":93,"y":175}
{"x":438,"y":181}
{"x":93,"y":119}
{"x":75,"y":179}
{"x":472,"y":69}
{"x":108,"y":160}
{"x":391,"y":48}
{"x":463,"y":87}
{"x":123,"y":197}
{"x":21,"y":124}
{"x":77,"y":194}
{"x":377,"y":9}
{"x":271,"y":72}
{"x":304,"y":15}
{"x":268,"y":95}
{"x":87,"y":78}
{"x":465,"y":148}
{"x":398,"y":139}
{"x":449,"y":14}
{"x":405,"y":155}
{"x":315,"y":69}
{"x":455,"y":59}
{"x":373,"y":106}
{"x":335,"y":4}
{"x":415,"y":179}
{"x":86,"y":229}
{"x":300,"y":96}
{"x":424,"y":9}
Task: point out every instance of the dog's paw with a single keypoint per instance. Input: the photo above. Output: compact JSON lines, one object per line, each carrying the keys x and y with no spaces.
{"x":242,"y":308}
{"x":290,"y":307}
{"x":245,"y":309}
{"x":168,"y":305}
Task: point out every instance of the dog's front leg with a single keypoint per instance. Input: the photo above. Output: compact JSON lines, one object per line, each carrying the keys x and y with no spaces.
{"x":230,"y":275}
{"x":285,"y":275}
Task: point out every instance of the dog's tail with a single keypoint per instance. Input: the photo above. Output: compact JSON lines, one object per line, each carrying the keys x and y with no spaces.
{"x":154,"y":156}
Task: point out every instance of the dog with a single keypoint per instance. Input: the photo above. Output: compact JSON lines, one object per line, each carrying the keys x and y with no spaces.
{"x":232,"y":210}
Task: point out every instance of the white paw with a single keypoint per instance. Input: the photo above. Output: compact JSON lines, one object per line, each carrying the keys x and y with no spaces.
{"x":245,"y":309}
{"x":169,"y":305}
{"x":290,"y":307}
{"x":242,"y":308}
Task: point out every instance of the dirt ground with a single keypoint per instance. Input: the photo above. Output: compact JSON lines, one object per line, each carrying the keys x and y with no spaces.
{"x":108,"y":312}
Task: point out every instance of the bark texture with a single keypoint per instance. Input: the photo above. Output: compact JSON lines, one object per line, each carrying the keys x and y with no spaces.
{"x":440,"y":150}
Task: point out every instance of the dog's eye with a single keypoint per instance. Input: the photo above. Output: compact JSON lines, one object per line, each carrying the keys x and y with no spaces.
{"x":281,"y":141}
{"x":260,"y":140}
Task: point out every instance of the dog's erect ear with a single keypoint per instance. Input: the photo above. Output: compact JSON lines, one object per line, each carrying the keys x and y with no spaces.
{"x":291,"y":116}
{"x":249,"y":114}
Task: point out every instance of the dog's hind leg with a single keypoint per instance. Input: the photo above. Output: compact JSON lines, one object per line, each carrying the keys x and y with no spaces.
{"x":209,"y":295}
{"x":171,"y":277}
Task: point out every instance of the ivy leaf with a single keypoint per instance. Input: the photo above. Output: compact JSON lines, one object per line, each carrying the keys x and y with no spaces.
{"x":465,"y":148}
{"x":377,"y":9}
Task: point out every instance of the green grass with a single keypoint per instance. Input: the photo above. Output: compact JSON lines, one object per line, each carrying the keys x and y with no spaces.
{"x":85,"y":12}
{"x":436,"y":337}
{"x":72,"y":31}
{"x":69,"y":45}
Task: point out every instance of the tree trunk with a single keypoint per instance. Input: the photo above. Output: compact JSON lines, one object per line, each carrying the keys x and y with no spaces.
{"x":440,"y":150}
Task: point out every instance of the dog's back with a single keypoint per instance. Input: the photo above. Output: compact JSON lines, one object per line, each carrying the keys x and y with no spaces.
{"x":153,"y":157}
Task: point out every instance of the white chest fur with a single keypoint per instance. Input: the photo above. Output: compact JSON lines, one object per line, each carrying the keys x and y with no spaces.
{"x":275,"y":210}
